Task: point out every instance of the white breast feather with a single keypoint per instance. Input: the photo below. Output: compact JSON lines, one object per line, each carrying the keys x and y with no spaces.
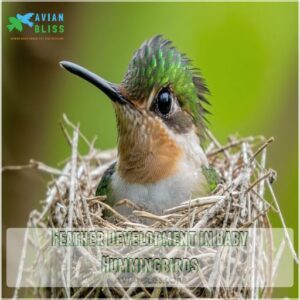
{"x":187,"y":182}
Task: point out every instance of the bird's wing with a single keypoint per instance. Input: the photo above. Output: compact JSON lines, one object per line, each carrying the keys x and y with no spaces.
{"x":13,"y":20}
{"x":10,"y":27}
{"x":28,"y":16}
{"x":104,"y":185}
{"x":211,"y":176}
{"x":19,"y":26}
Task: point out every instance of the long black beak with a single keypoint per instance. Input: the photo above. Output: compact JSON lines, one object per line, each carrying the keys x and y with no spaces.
{"x":108,"y":88}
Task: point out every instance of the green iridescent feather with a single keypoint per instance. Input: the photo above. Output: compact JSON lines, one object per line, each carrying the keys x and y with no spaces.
{"x":157,"y":64}
{"x":104,"y":187}
{"x":211,"y":176}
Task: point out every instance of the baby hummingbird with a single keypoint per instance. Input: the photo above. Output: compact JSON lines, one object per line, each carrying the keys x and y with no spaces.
{"x":160,"y":120}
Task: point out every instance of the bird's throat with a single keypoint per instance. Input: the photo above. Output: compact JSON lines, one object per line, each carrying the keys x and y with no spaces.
{"x":147,"y":157}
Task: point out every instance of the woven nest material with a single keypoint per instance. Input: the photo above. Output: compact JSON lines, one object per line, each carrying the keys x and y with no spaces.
{"x":238,"y":202}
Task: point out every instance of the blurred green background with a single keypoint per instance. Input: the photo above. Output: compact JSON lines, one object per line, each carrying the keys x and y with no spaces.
{"x":247,"y":52}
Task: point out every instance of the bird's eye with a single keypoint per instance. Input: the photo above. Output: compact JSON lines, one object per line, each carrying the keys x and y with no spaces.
{"x":164,"y":101}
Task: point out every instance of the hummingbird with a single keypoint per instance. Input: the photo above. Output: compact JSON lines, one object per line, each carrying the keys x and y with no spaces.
{"x":161,"y":122}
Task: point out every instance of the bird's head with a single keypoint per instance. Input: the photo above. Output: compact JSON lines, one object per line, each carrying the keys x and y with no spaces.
{"x":159,"y":102}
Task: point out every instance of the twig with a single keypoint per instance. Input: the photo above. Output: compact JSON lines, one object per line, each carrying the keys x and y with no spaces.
{"x":65,"y":133}
{"x":33,"y":164}
{"x":147,"y":215}
{"x":108,"y":207}
{"x":277,"y":259}
{"x":266,"y":144}
{"x":100,"y":198}
{"x":195,"y":202}
{"x":72,"y":196}
{"x":68,"y":122}
{"x":72,"y":199}
{"x":262,"y":213}
{"x":21,"y":264}
{"x":214,"y":140}
{"x":257,"y":181}
{"x":205,"y":200}
{"x":211,"y":212}
{"x":286,"y":234}
{"x":128,"y":203}
{"x":230,"y":145}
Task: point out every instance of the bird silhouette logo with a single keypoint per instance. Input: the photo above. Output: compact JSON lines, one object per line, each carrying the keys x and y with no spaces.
{"x":18,"y":21}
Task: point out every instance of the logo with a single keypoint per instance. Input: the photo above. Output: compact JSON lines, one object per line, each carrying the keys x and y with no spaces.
{"x":18,"y":21}
{"x":36,"y":25}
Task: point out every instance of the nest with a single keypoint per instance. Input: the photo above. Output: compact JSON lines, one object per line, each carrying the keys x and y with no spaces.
{"x":237,"y":202}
